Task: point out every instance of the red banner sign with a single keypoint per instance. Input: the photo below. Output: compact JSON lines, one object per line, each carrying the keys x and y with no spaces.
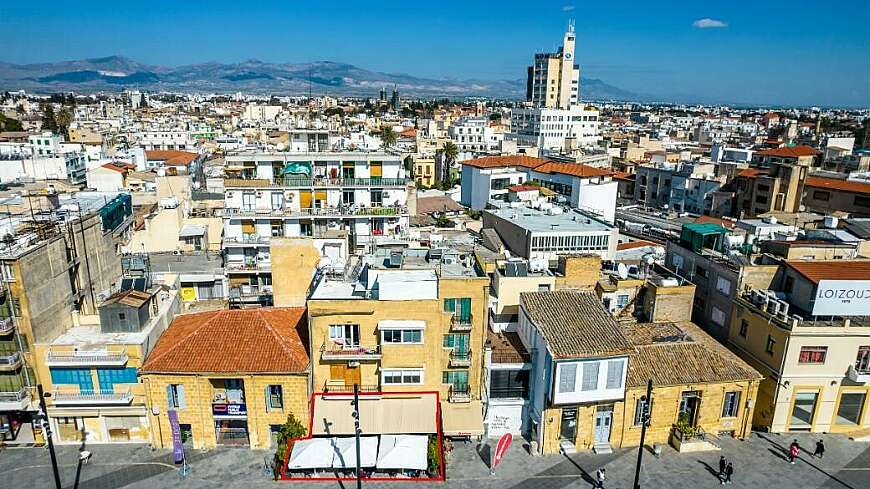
{"x":501,"y":448}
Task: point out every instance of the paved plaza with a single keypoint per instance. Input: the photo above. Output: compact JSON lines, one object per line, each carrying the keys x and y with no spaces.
{"x":759,"y":463}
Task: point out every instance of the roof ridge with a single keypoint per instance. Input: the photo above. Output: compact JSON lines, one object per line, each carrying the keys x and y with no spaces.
{"x":183,"y":340}
{"x":281,"y":340}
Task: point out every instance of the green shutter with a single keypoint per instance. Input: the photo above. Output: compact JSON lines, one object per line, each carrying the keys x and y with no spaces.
{"x":449,"y":305}
{"x":465,"y":308}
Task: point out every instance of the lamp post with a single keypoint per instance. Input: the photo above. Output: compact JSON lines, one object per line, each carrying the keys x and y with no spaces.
{"x":356,"y":432}
{"x":46,"y":430}
{"x":645,"y":415}
{"x":84,"y":456}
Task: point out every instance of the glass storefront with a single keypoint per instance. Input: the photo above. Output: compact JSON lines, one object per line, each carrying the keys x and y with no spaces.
{"x":851,"y":406}
{"x":802,"y":413}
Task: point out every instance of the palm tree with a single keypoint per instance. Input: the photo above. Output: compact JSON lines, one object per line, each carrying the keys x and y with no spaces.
{"x":388,"y":136}
{"x":449,"y":152}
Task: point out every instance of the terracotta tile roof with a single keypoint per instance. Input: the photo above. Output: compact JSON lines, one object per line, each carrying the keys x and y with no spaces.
{"x":507,"y":347}
{"x":789,"y":151}
{"x":129,"y":297}
{"x":725,"y":223}
{"x":575,"y":324}
{"x":634,"y":244}
{"x":440,"y":203}
{"x":505,"y":161}
{"x":574,"y":169}
{"x":522,"y":188}
{"x":626,"y":177}
{"x":171,"y":157}
{"x":836,"y":184}
{"x":409,"y":133}
{"x":119,"y":166}
{"x":752,"y":172}
{"x":817,"y":270}
{"x":233,"y":341}
{"x":680,"y":354}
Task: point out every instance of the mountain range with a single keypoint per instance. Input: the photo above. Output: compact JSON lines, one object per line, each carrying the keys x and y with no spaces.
{"x":115,"y":73}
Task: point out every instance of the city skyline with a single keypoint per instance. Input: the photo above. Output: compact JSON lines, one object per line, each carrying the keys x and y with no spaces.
{"x":738,"y":53}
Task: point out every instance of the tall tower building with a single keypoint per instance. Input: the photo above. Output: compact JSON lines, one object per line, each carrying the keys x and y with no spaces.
{"x":554,"y":80}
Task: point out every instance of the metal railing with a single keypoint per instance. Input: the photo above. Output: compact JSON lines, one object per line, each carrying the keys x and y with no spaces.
{"x":241,"y":267}
{"x":7,"y":325}
{"x":459,"y":392}
{"x":10,"y":361}
{"x":460,"y":358}
{"x":345,"y":388}
{"x":350,"y":353}
{"x":121,"y":397}
{"x":251,"y":239}
{"x":291,"y":181}
{"x":86,"y":358}
{"x":461,"y":322}
{"x":15,"y":396}
{"x":345,"y":211}
{"x":509,"y":392}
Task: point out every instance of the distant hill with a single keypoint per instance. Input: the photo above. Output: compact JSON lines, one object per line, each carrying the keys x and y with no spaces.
{"x":115,"y":73}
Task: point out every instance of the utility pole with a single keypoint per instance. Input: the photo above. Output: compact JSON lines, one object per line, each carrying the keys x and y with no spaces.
{"x":46,"y":430}
{"x":645,"y":415}
{"x":356,"y":432}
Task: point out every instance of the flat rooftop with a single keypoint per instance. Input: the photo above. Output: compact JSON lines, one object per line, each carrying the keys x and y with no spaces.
{"x":538,"y":221}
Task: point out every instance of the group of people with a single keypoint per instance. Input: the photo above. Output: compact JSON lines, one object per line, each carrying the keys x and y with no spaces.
{"x":794,"y":450}
{"x":726,"y":470}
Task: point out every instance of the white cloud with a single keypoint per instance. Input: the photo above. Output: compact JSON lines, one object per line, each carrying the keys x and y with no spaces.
{"x":708,"y":23}
{"x":568,"y":8}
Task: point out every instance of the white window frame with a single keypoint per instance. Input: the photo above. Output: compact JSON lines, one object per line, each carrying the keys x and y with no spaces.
{"x":401,"y":337}
{"x":723,"y":285}
{"x":402,"y":372}
{"x":336,"y":328}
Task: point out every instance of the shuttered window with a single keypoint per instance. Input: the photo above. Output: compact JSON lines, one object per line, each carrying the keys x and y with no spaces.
{"x":614,"y":374}
{"x":590,"y":376}
{"x":567,"y":378}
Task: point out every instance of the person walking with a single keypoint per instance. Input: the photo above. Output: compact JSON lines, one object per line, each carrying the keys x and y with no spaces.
{"x":600,"y":476}
{"x":794,"y":450}
{"x":820,"y":449}
{"x":729,"y":471}
{"x":722,"y":464}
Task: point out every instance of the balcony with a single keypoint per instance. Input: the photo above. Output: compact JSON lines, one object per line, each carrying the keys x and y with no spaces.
{"x":247,"y":240}
{"x":354,"y":353}
{"x":85,"y":358}
{"x":461,"y":323}
{"x":292,"y":181}
{"x":342,"y":388}
{"x":460,"y":358}
{"x":459,"y":393}
{"x":10,"y":361}
{"x":15,"y":401}
{"x":7,"y":326}
{"x":861,"y":376}
{"x":65,"y":398}
{"x":258,"y":266}
{"x":328,"y":212}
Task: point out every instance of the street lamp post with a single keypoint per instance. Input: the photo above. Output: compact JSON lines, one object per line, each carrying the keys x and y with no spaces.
{"x":46,"y":430}
{"x":357,"y":431}
{"x":84,"y":455}
{"x":645,"y":416}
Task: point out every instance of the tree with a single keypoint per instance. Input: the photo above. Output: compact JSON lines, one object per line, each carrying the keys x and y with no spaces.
{"x":334,"y":111}
{"x":10,"y":124}
{"x":62,"y":121}
{"x":449,"y":152}
{"x":388,"y":136}
{"x":290,"y":430}
{"x":495,"y":116}
{"x":48,"y":120}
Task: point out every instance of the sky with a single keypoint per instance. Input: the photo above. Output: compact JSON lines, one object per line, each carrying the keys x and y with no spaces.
{"x":762,"y":52}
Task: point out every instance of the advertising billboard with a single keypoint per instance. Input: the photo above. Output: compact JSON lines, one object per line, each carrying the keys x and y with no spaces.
{"x":842,"y":298}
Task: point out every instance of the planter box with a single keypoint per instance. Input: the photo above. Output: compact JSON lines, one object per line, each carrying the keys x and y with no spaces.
{"x":689,"y":445}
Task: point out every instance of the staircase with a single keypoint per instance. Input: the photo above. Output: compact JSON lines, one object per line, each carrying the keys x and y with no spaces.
{"x":567,"y":448}
{"x":602,"y":448}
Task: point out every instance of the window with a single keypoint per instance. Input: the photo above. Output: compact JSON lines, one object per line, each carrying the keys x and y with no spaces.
{"x":122,"y":316}
{"x":813,"y":354}
{"x":408,"y":376}
{"x":621,"y":300}
{"x":175,"y":396}
{"x":717,"y":316}
{"x":454,"y":377}
{"x":614,"y":374}
{"x":249,"y":200}
{"x":723,"y":285}
{"x":461,"y":308}
{"x":821,"y":195}
{"x":277,"y":201}
{"x":567,"y":377}
{"x":744,"y":328}
{"x":862,"y":201}
{"x":7,"y":271}
{"x":851,"y":407}
{"x":509,"y":384}
{"x":543,"y":287}
{"x":731,"y":404}
{"x":274,"y":397}
{"x":377,"y":197}
{"x":346,"y":335}
{"x":770,"y":344}
{"x":108,"y":377}
{"x":456,"y":341}
{"x":789,"y":284}
{"x":402,"y":336}
{"x":590,"y":376}
{"x":74,"y":376}
{"x":700,"y":271}
{"x":862,"y":361}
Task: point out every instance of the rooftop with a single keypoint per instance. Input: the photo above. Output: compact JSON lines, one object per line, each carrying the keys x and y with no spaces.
{"x":542,"y":221}
{"x":265,"y":340}
{"x":818,"y":270}
{"x":172,"y":157}
{"x":837,"y":184}
{"x":789,"y":152}
{"x":505,"y":161}
{"x":507,"y":347}
{"x":575,"y":324}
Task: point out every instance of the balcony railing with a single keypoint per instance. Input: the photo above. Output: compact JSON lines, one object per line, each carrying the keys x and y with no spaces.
{"x":79,"y":358}
{"x":340,"y":388}
{"x":858,"y":375}
{"x":344,"y":211}
{"x":343,"y":353}
{"x":460,"y":358}
{"x":7,"y":325}
{"x":461,"y":322}
{"x":510,"y":357}
{"x":64,"y":398}
{"x":14,"y":401}
{"x":459,"y":393}
{"x":509,"y":392}
{"x":11,"y":361}
{"x":259,"y":266}
{"x":248,"y":240}
{"x":292,"y":181}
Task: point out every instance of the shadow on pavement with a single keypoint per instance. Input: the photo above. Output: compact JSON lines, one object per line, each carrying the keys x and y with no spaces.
{"x":783,"y":450}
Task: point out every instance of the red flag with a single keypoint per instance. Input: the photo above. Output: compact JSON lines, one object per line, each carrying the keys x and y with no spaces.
{"x":501,"y":448}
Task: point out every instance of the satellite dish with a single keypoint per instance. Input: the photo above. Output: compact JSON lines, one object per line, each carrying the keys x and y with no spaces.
{"x":622,"y":271}
{"x":280,"y":146}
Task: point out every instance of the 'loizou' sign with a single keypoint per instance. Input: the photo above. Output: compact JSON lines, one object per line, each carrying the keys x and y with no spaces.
{"x":842,"y":298}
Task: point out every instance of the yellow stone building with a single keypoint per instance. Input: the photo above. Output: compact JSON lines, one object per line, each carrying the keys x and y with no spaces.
{"x":232,"y":376}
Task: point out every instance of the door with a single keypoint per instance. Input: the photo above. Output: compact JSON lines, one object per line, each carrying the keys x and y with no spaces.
{"x":689,"y":403}
{"x":353,"y":375}
{"x":803,"y":410}
{"x":603,"y":420}
{"x":305,"y":199}
{"x":377,"y":169}
{"x":568,"y":430}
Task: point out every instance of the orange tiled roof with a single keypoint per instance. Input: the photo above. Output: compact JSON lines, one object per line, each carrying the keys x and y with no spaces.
{"x":715,"y":220}
{"x":789,"y":152}
{"x":409,"y":133}
{"x":836,"y":184}
{"x":752,"y":172}
{"x":634,"y":244}
{"x":233,"y":340}
{"x":818,"y":270}
{"x":505,"y":161}
{"x":171,"y":157}
{"x":119,"y":166}
{"x":522,"y":188}
{"x":624,"y":176}
{"x":574,"y":169}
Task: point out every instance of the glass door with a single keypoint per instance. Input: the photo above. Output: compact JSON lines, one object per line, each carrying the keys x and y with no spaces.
{"x":568,"y":429}
{"x":803,"y":410}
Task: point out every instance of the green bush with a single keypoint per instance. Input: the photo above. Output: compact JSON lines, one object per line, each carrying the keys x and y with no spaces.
{"x":434,"y":460}
{"x":290,"y":430}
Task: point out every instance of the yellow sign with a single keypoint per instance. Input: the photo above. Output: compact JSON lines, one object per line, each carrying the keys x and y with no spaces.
{"x":188,"y":294}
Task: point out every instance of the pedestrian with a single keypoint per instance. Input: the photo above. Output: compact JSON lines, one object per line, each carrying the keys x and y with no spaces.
{"x":729,"y":471}
{"x":820,"y":449}
{"x":794,"y":450}
{"x":600,"y":476}
{"x":722,"y":464}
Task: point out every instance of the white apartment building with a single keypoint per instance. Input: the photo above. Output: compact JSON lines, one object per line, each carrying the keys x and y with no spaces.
{"x":556,"y":129}
{"x":165,"y":139}
{"x":474,"y":135}
{"x":349,"y":198}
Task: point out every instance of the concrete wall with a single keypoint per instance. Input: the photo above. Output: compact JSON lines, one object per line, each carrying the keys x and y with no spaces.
{"x":668,"y":304}
{"x":578,"y":272}
{"x":294,"y":261}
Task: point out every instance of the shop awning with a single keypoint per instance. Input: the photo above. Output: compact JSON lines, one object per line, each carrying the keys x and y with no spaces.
{"x":314,"y":453}
{"x":393,"y":324}
{"x":379,"y":414}
{"x":462,"y":419}
{"x":403,"y":452}
{"x":345,"y":452}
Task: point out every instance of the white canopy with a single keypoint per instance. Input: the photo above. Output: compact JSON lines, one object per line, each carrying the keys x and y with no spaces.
{"x":313,"y":453}
{"x":392,"y":324}
{"x":345,"y":452}
{"x":403,"y":452}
